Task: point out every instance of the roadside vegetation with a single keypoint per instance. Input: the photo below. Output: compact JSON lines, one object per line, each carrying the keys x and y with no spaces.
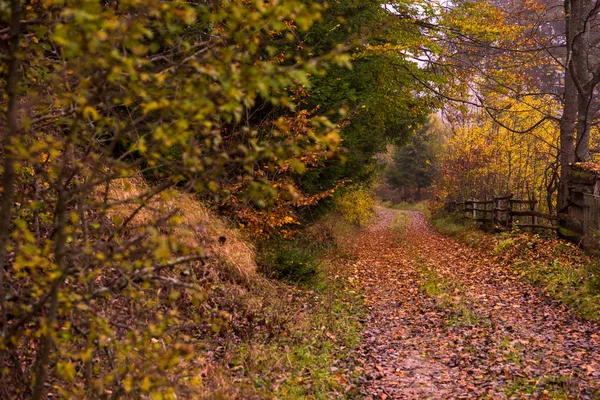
{"x":309,"y":317}
{"x":280,"y":319}
{"x":301,"y":341}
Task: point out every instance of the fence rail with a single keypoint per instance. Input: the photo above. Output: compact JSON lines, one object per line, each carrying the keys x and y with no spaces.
{"x":577,"y":221}
{"x":503,"y":213}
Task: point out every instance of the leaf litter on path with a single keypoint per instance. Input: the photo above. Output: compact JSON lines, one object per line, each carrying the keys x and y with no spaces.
{"x":445,"y":322}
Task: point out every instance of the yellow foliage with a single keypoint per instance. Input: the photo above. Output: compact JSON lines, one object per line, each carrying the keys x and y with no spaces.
{"x":356,"y":205}
{"x":482,"y":159}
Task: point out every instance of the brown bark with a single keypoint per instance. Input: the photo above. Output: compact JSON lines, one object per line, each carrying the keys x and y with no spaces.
{"x":582,"y":147}
{"x":568,"y":120}
{"x":580,"y":82}
{"x":582,"y":66}
{"x":47,"y":340}
{"x":8,"y":179}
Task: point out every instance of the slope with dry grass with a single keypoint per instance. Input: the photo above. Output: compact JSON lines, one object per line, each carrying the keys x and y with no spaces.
{"x":198,"y":227}
{"x":255,"y":337}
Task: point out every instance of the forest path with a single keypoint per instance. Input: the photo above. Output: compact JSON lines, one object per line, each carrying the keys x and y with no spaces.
{"x":444,"y":322}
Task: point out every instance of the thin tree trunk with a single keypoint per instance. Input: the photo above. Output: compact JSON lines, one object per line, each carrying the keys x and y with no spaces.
{"x":47,"y":340}
{"x":8,"y":179}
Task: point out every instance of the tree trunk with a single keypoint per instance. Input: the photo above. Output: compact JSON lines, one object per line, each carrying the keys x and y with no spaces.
{"x":8,"y":179}
{"x":580,"y":65}
{"x":582,"y":147}
{"x":47,"y":339}
{"x":567,"y":139}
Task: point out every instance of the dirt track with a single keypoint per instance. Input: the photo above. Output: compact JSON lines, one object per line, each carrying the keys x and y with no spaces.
{"x":445,"y":323}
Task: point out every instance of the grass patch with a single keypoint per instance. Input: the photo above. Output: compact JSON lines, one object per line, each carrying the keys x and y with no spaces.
{"x":560,"y":269}
{"x":511,"y":351}
{"x":465,"y":316}
{"x":458,"y":226}
{"x":434,"y":286}
{"x":571,"y":284}
{"x":447,"y":296}
{"x":311,"y":357}
{"x":546,"y":386}
{"x":400,"y":222}
{"x":553,"y":387}
{"x":296,"y":336}
{"x":422,"y":206}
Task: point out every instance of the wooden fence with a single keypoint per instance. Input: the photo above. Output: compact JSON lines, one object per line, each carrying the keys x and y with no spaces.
{"x":504,"y":213}
{"x":578,"y":221}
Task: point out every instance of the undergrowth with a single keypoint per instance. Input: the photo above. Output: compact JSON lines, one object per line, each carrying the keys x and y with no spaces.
{"x":292,"y":260}
{"x":308,"y":357}
{"x":560,"y":269}
{"x":297,"y":334}
{"x":456,"y":225}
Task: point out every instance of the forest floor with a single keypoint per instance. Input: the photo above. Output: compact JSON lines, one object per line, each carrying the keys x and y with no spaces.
{"x":446,"y":321}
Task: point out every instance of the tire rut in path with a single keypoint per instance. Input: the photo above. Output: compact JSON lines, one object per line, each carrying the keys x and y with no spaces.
{"x":444,"y":322}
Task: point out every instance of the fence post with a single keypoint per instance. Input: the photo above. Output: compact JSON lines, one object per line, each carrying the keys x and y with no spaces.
{"x":495,"y":207}
{"x":509,"y":222}
{"x":532,"y":208}
{"x":489,"y":214}
{"x":501,"y":211}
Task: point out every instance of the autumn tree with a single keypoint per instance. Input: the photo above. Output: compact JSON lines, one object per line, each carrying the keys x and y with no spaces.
{"x":372,"y":103}
{"x":94,"y":298}
{"x":529,"y":53}
{"x":481,"y":159}
{"x":378,"y":95}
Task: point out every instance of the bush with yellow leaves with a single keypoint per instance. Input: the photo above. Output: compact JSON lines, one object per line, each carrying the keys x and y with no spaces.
{"x":356,"y":205}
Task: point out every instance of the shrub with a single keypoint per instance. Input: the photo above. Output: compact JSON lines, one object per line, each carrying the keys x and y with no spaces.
{"x":356,"y":205}
{"x":504,"y":245}
{"x":294,"y":260}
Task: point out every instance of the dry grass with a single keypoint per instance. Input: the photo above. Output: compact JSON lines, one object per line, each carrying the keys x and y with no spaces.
{"x":193,"y":224}
{"x":256,"y":338}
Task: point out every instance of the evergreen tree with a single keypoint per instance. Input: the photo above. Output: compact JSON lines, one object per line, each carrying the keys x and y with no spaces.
{"x":379,"y":92}
{"x":415,"y":164}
